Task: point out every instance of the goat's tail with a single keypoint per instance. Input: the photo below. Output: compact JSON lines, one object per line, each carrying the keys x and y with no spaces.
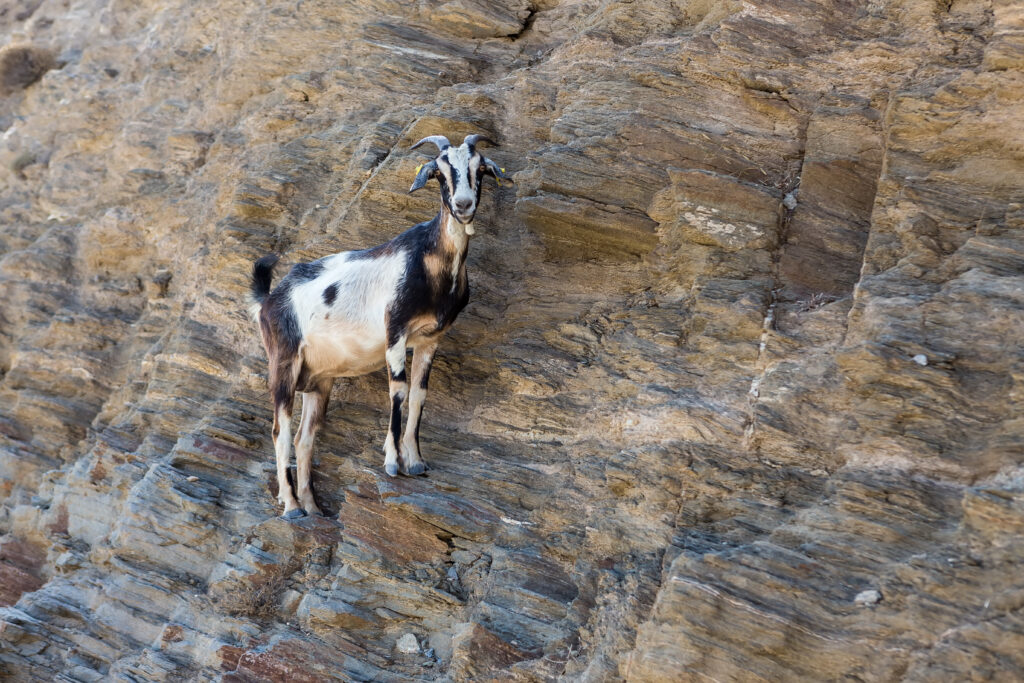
{"x":262,"y":274}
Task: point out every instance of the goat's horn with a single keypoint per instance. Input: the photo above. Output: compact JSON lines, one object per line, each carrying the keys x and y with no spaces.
{"x":471,"y":140}
{"x":439,"y":140}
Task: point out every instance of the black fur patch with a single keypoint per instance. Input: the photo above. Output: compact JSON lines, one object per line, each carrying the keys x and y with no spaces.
{"x":284,"y":393}
{"x":419,"y":294}
{"x":304,"y":382}
{"x":330,"y":293}
{"x":262,"y":274}
{"x":278,"y":315}
{"x":446,"y":193}
{"x":304,"y":272}
{"x":396,"y":418}
{"x":277,"y":309}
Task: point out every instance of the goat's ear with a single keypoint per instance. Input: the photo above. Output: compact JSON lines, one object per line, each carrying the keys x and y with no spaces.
{"x":424,"y":173}
{"x":495,"y":170}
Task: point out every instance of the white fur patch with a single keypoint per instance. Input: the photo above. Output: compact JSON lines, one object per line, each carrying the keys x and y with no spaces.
{"x":457,"y":232}
{"x":455,"y":272}
{"x":396,"y":356}
{"x":348,"y":337}
{"x":459,"y":158}
{"x":365,"y":288}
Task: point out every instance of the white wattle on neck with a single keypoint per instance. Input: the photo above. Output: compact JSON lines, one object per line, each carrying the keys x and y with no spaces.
{"x":457,"y":232}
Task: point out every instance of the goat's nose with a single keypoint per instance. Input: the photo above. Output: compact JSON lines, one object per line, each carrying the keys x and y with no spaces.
{"x":463,"y":204}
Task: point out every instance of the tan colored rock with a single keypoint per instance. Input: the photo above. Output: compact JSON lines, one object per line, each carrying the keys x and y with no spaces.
{"x":683,"y":423}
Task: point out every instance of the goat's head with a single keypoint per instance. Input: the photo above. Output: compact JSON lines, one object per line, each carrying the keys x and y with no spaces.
{"x":460,"y":171}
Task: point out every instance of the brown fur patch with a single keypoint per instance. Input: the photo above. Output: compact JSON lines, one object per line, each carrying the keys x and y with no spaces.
{"x":437,"y":264}
{"x":422,"y":326}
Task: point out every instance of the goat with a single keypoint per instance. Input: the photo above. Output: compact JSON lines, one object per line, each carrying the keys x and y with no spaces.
{"x":350,"y":313}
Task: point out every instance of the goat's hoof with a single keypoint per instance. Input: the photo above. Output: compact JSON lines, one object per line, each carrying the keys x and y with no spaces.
{"x":391,"y":468}
{"x":295,"y":513}
{"x":417,"y":468}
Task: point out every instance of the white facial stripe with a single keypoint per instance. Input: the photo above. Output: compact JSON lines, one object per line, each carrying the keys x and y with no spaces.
{"x":474,"y":168}
{"x":459,"y":158}
{"x":446,"y":171}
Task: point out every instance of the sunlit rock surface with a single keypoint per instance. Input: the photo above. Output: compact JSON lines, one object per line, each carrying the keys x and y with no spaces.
{"x":737,"y":396}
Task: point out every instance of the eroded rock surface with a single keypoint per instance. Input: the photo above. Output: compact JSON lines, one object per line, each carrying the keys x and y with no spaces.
{"x":737,"y":395}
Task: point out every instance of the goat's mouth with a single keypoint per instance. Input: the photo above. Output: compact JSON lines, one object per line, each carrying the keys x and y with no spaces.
{"x":464,"y":216}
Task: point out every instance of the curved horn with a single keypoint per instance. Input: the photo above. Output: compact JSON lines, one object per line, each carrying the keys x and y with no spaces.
{"x":440,"y":141}
{"x":471,"y":140}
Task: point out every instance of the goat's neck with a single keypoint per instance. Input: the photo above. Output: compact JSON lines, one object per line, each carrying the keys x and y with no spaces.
{"x":455,"y":236}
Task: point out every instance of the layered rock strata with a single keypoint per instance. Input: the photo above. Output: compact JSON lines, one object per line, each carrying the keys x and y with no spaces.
{"x":737,"y":395}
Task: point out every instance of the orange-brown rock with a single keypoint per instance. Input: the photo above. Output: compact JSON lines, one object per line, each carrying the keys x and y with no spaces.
{"x":737,"y":395}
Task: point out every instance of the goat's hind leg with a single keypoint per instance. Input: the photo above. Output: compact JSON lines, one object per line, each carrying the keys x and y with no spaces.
{"x":282,"y":450}
{"x":314,"y":408}
{"x":284,"y":396}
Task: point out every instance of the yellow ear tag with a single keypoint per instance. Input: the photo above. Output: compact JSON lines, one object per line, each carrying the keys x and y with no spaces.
{"x":418,"y":169}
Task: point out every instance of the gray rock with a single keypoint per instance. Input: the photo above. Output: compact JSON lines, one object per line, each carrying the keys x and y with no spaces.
{"x":679,"y":417}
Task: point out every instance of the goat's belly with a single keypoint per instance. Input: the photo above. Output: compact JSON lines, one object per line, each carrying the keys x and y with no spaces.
{"x":342,"y":355}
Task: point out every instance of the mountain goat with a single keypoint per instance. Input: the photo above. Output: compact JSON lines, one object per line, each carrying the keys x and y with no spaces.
{"x":349,"y":313}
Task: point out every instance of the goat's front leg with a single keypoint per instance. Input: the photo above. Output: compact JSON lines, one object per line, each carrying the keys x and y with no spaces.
{"x":398,"y":389}
{"x":422,"y":358}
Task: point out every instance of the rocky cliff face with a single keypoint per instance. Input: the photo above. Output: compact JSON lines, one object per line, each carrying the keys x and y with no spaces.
{"x":738,"y":394}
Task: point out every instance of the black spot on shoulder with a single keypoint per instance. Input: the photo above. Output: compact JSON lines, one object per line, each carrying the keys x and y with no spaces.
{"x":330,"y":293}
